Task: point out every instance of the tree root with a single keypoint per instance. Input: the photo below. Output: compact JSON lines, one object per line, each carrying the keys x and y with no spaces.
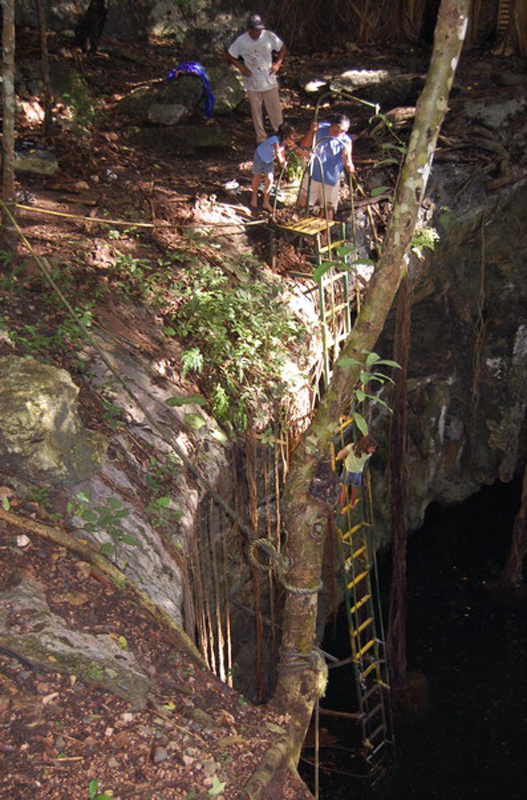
{"x":280,"y":755}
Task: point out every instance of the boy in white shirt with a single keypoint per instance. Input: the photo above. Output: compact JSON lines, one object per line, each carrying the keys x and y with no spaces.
{"x":252,"y":54}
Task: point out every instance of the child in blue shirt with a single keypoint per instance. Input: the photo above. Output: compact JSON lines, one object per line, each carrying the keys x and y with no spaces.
{"x":263,"y":162}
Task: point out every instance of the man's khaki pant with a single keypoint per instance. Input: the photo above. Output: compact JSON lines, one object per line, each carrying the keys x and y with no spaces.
{"x":271,"y":101}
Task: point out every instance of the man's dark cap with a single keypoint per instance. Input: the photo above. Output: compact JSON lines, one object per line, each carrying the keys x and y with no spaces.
{"x":255,"y":23}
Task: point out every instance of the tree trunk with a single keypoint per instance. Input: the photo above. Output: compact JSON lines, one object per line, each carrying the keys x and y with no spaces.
{"x":8,"y":141}
{"x":300,"y":675}
{"x":48,"y":96}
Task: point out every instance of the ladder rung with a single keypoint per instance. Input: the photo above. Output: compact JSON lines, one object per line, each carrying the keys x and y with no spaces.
{"x":327,"y":248}
{"x":360,"y":603}
{"x":336,"y":309}
{"x":375,"y":750}
{"x":362,"y":626}
{"x":364,"y":649}
{"x":308,"y":226}
{"x":358,"y":552}
{"x":369,"y":669}
{"x":381,"y":727}
{"x":351,"y":531}
{"x":358,"y":579}
{"x":375,"y":688}
{"x":374,"y":712}
{"x":328,"y":278}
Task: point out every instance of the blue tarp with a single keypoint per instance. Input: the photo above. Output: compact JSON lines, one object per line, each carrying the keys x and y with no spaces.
{"x":194,"y":68}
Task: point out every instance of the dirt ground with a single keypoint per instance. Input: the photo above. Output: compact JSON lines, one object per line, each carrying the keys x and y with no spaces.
{"x":197,"y":738}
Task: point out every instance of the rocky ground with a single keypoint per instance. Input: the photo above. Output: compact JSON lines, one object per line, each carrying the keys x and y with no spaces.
{"x":60,"y":736}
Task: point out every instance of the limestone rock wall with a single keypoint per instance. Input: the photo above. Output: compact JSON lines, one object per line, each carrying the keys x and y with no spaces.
{"x":467,"y":388}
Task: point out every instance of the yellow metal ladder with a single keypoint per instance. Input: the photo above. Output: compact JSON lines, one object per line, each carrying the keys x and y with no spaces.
{"x":503,"y":16}
{"x":333,"y":278}
{"x":368,"y":652}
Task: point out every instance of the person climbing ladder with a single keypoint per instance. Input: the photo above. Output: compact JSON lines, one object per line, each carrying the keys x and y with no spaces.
{"x":355,"y":455}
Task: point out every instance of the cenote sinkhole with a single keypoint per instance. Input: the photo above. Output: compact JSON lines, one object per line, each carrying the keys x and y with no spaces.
{"x":463,"y":734}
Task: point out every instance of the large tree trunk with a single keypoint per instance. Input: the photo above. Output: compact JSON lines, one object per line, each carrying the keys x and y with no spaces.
{"x":8,"y":141}
{"x":300,"y":675}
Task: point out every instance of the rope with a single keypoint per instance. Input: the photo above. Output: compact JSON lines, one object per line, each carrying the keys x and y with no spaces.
{"x":132,"y":224}
{"x":292,"y":661}
{"x":281,"y":565}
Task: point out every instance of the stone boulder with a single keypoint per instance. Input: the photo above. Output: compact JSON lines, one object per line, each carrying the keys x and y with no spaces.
{"x":167,"y":114}
{"x":386,"y":88}
{"x":37,"y":162}
{"x":187,"y":93}
{"x":227,"y":87}
{"x":45,"y":640}
{"x":41,"y":434}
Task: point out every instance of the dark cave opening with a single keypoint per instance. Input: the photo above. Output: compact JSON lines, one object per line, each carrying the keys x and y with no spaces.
{"x":462,"y":734}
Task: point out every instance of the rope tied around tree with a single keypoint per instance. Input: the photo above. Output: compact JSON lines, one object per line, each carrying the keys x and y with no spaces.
{"x":280,"y":564}
{"x":291,"y":661}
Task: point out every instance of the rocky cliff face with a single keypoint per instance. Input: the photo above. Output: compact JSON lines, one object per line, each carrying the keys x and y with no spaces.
{"x":135,"y":19}
{"x":467,"y":390}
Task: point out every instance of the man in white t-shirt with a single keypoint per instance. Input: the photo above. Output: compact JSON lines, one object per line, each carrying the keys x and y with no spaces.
{"x":252,"y":54}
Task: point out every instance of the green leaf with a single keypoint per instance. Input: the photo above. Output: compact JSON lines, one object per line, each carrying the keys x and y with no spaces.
{"x":344,"y":250}
{"x":365,"y":377}
{"x":113,"y":502}
{"x":360,"y":395}
{"x":388,"y":363}
{"x":348,"y":362}
{"x":106,"y":549}
{"x":361,"y":423}
{"x":164,"y":502}
{"x":122,"y":643}
{"x":217,"y":786}
{"x":385,"y":163}
{"x":382,"y":377}
{"x":89,"y":516}
{"x":85,"y":498}
{"x":6,"y":505}
{"x":219,"y":436}
{"x":371,"y":358}
{"x":191,"y":399}
{"x":169,"y":331}
{"x":398,"y":147}
{"x":381,"y":402}
{"x":381,"y":190}
{"x":321,"y":270}
{"x":127,"y":539}
{"x":93,"y":788}
{"x":195,"y":421}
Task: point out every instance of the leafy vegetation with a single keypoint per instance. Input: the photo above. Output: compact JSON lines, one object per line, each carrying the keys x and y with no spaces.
{"x":82,"y":110}
{"x":93,"y":792}
{"x":237,"y":333}
{"x":107,"y":517}
{"x":425,"y":237}
{"x":369,"y":373}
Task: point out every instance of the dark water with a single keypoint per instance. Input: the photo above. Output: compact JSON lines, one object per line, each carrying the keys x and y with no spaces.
{"x":466,"y":734}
